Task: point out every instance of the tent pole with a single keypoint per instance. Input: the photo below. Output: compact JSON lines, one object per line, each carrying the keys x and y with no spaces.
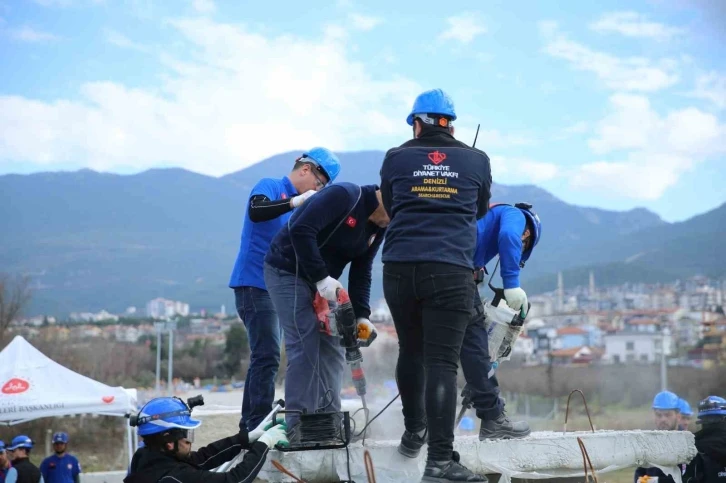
{"x":129,"y":440}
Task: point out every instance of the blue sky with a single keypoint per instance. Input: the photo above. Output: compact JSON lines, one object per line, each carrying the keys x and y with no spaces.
{"x":616,"y":105}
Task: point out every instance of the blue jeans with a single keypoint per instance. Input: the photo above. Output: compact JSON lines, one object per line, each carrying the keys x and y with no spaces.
{"x":476,"y":364}
{"x":263,"y":331}
{"x":315,"y":361}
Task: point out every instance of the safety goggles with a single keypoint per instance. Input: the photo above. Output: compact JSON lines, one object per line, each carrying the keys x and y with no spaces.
{"x":187,"y":434}
{"x":317,"y":167}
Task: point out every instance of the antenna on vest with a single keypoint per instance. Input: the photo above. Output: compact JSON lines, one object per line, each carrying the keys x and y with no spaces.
{"x":476,"y":135}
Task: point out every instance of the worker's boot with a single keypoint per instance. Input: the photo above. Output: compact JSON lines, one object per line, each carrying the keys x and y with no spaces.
{"x":503,"y":428}
{"x":411,"y":443}
{"x":450,"y":471}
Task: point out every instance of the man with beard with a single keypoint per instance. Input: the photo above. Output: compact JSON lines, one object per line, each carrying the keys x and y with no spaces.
{"x":667,"y":417}
{"x":166,"y":425}
{"x":709,"y":465}
{"x":60,"y":467}
{"x":8,"y":474}
{"x":666,"y":411}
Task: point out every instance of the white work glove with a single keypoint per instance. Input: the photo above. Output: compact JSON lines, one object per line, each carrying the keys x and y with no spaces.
{"x":255,"y":434}
{"x":366,"y":332}
{"x":516,"y":299}
{"x":298,"y":200}
{"x":274,"y":435}
{"x":328,"y":288}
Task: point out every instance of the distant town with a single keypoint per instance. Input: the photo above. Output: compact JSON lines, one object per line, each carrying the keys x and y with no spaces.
{"x":681,"y":322}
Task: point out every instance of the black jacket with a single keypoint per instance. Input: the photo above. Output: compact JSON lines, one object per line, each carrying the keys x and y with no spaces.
{"x":709,"y":465}
{"x":27,"y":471}
{"x":434,"y":189}
{"x":152,"y":466}
{"x":327,"y":232}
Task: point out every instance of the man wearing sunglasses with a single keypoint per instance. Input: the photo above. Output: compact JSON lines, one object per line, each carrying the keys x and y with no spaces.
{"x":167,"y":428}
{"x":269,"y":206}
{"x":511,"y":232}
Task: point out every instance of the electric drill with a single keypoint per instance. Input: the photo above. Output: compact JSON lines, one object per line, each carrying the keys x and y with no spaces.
{"x":348,"y":330}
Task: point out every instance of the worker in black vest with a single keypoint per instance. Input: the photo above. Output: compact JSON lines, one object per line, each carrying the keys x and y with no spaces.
{"x":434,"y":189}
{"x":20,"y":448}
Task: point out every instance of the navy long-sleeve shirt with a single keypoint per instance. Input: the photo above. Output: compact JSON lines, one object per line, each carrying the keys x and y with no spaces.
{"x":329,"y":231}
{"x":434,"y":189}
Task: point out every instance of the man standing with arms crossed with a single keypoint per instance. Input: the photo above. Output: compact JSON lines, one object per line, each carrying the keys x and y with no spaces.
{"x":268,"y":209}
{"x":434,"y":189}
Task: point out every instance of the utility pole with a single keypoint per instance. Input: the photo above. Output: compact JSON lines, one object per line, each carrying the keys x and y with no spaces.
{"x":171,"y":327}
{"x":159,"y":327}
{"x":663,"y":365}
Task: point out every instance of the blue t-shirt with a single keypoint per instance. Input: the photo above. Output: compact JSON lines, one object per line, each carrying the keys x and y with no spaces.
{"x":256,"y":237}
{"x":62,"y":469}
{"x":500,"y":233}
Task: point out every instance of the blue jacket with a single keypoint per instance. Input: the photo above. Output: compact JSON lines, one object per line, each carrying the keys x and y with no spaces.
{"x":9,"y":475}
{"x":256,"y":237}
{"x":327,"y":232}
{"x":500,"y":232}
{"x":434,"y":189}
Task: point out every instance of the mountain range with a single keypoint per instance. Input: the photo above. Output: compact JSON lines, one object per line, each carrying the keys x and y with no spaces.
{"x":95,"y":241}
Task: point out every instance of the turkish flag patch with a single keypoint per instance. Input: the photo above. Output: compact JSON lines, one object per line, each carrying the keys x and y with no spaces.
{"x":284,"y":196}
{"x":350,"y":222}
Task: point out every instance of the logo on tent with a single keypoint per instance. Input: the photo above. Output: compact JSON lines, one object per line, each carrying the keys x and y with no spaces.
{"x":15,"y":386}
{"x":107,"y":399}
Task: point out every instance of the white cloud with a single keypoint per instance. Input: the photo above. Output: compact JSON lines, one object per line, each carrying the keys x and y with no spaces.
{"x":634,"y":24}
{"x":204,"y":6}
{"x":29,"y":34}
{"x":631,"y":73}
{"x":120,"y":40}
{"x":244,"y":97}
{"x":364,"y":22}
{"x":520,"y":170}
{"x":711,"y":87}
{"x":490,"y":138}
{"x":464,"y":28}
{"x":651,"y":151}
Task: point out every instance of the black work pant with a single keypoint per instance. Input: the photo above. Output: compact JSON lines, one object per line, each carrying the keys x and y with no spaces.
{"x":431,"y":305}
{"x":476,"y":364}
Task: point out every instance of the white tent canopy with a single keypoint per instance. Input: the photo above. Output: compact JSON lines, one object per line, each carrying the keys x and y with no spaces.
{"x":34,"y":386}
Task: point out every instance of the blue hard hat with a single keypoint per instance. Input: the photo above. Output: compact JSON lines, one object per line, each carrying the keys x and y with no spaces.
{"x":467,"y":424}
{"x":712,"y":406}
{"x":434,"y":101}
{"x":325,"y":160}
{"x":21,"y":441}
{"x":535,"y":226}
{"x":2,"y":446}
{"x":665,"y":400}
{"x":60,"y":437}
{"x":684,"y":407}
{"x":165,"y":413}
